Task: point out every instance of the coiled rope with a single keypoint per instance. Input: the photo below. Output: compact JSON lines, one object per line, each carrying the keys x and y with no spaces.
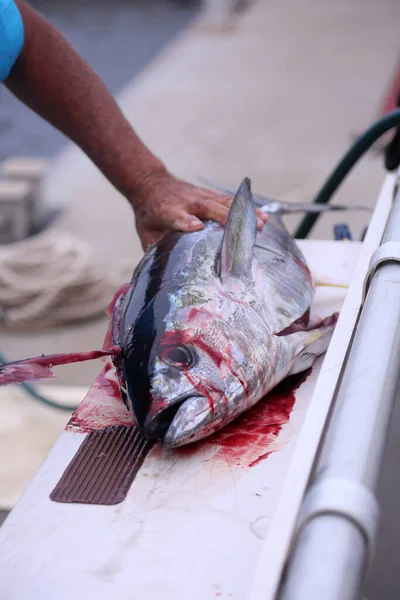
{"x":51,"y":279}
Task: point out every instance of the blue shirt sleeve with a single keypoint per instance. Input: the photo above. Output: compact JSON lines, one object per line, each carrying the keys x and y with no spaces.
{"x":11,"y":36}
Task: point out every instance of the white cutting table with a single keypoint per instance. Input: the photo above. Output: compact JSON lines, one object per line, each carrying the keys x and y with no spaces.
{"x":196,"y":525}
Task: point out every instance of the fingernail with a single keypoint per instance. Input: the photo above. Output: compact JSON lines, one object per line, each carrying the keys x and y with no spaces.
{"x":194,"y":222}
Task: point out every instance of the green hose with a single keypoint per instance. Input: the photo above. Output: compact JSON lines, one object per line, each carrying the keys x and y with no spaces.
{"x":356,"y":151}
{"x":31,"y":391}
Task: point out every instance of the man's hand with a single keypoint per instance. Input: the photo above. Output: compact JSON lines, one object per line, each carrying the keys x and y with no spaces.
{"x":164,"y":203}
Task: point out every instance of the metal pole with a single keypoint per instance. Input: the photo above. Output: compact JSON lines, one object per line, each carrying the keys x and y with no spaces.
{"x":338,"y":520}
{"x":330,"y":572}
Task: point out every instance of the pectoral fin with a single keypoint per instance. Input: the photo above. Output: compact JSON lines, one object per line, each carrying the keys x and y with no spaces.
{"x":311,"y":343}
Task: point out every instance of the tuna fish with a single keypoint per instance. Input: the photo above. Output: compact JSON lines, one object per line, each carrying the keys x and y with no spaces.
{"x":213,"y":321}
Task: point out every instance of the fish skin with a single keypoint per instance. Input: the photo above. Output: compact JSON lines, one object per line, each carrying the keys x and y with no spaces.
{"x":207,"y":329}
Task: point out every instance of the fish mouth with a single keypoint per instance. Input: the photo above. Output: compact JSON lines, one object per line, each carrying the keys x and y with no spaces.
{"x":157,"y":425}
{"x":193,"y":421}
{"x":199,"y":417}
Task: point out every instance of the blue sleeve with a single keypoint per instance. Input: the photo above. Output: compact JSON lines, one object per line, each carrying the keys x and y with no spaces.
{"x":11,"y":36}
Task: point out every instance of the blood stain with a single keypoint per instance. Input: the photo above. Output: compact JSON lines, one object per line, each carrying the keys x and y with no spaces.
{"x":248,"y":440}
{"x":103,"y":406}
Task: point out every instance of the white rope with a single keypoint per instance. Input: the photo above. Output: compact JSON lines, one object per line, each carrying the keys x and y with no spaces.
{"x":51,"y":279}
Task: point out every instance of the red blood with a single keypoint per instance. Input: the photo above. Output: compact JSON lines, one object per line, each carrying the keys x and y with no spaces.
{"x":156,"y":406}
{"x":299,"y":325}
{"x":108,"y":339}
{"x":121,"y":291}
{"x":202,"y":312}
{"x":110,"y":310}
{"x":184,"y":337}
{"x":329,"y":321}
{"x":211,"y":405}
{"x":248,"y":440}
{"x":103,"y":406}
{"x":109,"y":386}
{"x":302,"y":324}
{"x":205,"y":388}
{"x":259,"y":459}
{"x":216,"y":356}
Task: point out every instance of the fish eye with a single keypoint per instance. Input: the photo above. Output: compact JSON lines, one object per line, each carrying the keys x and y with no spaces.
{"x":177,"y":356}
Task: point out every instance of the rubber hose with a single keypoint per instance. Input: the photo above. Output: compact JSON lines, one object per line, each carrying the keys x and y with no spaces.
{"x":356,"y":151}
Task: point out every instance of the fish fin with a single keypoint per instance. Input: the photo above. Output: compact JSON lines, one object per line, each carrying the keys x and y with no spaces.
{"x":297,"y":207}
{"x":240,"y":232}
{"x":279,"y":205}
{"x":258,"y":199}
{"x":312,"y":344}
{"x":41,"y":367}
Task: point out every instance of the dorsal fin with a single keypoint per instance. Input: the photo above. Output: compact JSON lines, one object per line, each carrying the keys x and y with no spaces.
{"x":239,"y":236}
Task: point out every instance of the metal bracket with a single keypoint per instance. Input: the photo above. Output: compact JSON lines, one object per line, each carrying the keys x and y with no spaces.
{"x":343,"y":498}
{"x":387,"y":252}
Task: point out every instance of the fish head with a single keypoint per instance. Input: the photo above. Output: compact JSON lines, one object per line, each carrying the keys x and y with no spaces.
{"x":197,"y":373}
{"x":197,"y":376}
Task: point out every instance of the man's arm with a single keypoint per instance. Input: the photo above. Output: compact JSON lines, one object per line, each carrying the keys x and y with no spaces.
{"x":52,"y":79}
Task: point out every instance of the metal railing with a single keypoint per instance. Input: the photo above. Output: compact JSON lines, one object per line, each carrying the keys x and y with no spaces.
{"x":337,"y":525}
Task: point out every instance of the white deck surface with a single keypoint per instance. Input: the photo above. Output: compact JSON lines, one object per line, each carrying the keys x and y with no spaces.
{"x":278,"y":98}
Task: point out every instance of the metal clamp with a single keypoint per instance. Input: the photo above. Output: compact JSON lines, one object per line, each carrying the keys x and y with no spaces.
{"x":387,"y":252}
{"x":347,"y":499}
